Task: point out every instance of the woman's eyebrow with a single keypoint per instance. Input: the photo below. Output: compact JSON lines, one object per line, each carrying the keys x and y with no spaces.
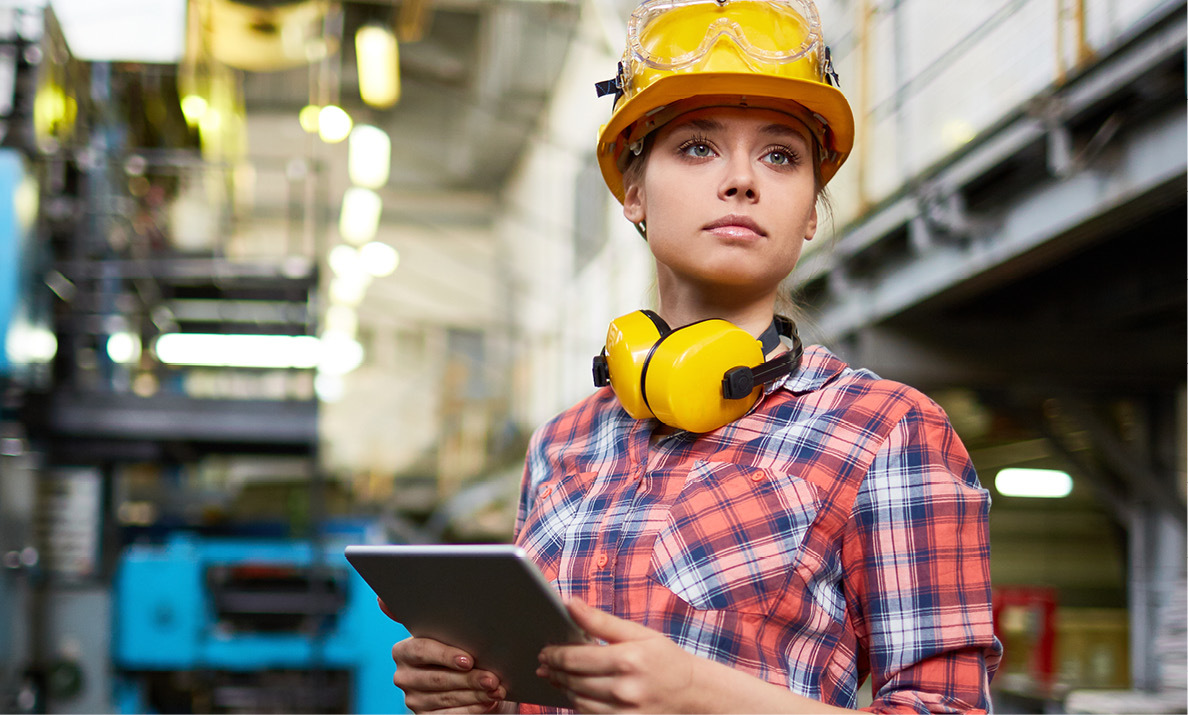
{"x":783,"y":130}
{"x":705,"y":124}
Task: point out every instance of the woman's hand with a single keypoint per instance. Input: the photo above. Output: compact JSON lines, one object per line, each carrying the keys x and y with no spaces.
{"x":639,"y":670}
{"x":436,"y":677}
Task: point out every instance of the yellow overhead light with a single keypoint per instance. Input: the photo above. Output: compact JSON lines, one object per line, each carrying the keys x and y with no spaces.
{"x":344,"y":260}
{"x":334,"y":124}
{"x":956,"y":133}
{"x":211,"y":121}
{"x":309,"y":118}
{"x":379,"y":258}
{"x":359,"y":220}
{"x":369,"y":156}
{"x":193,"y":107}
{"x":378,"y":59}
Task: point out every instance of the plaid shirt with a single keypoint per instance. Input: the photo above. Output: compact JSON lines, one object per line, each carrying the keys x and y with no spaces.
{"x":836,"y":531}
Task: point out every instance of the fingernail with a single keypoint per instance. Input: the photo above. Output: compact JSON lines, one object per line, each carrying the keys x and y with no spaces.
{"x":462,"y":661}
{"x":487,"y":682}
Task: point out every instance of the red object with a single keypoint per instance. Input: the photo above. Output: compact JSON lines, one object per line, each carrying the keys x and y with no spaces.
{"x":1036,"y":606}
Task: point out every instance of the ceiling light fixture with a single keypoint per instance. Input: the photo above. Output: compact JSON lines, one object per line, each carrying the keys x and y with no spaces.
{"x":369,"y":156}
{"x":193,"y":106}
{"x":379,"y":258}
{"x":334,"y":124}
{"x":308,"y":117}
{"x":344,"y":260}
{"x":123,"y":348}
{"x":377,"y":57}
{"x":359,"y":220}
{"x":1035,"y":483}
{"x":219,"y":350}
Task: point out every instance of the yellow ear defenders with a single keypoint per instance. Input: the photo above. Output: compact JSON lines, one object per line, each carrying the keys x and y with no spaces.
{"x":698,"y":377}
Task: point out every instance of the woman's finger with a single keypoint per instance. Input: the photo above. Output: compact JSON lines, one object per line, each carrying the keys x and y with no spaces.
{"x":426,"y":696}
{"x":600,"y":624}
{"x":411,"y":680}
{"x":429,"y":652}
{"x":595,"y":687}
{"x":614,"y":659}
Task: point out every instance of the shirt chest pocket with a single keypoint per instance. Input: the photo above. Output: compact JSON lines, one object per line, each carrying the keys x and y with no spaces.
{"x":733,"y":537}
{"x":555,"y":510}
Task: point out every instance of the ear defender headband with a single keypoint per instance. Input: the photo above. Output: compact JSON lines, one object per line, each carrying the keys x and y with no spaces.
{"x":698,"y":377}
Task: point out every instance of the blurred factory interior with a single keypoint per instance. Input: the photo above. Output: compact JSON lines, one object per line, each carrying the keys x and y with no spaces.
{"x":282,"y":275}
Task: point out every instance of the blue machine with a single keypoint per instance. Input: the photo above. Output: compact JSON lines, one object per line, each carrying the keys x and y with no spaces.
{"x":249,"y":625}
{"x":24,"y":301}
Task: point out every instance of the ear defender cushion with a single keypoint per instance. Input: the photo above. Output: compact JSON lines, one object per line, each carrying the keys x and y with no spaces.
{"x":682,"y":379}
{"x":629,"y":341}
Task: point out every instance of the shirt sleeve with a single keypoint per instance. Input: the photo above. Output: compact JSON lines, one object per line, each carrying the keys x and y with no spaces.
{"x":917,"y":562}
{"x":533,"y":463}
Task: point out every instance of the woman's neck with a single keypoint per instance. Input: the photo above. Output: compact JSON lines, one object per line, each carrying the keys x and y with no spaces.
{"x":752,"y":316}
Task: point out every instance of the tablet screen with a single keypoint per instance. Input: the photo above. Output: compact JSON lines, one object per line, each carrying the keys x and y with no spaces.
{"x":489,"y":600}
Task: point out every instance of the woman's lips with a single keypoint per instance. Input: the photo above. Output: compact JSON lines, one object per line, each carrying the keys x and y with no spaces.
{"x":735,"y":227}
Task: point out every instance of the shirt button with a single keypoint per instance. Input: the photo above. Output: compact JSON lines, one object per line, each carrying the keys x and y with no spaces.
{"x":544,"y":493}
{"x":758,"y":477}
{"x":601,"y":560}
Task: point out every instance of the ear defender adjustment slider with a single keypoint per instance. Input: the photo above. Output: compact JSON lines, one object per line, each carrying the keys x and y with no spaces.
{"x":737,"y":383}
{"x":601,"y":371}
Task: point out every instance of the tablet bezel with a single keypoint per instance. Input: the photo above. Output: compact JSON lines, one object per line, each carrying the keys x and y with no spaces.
{"x":487,"y":599}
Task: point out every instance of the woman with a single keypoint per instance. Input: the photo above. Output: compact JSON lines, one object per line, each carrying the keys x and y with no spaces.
{"x":764,"y":551}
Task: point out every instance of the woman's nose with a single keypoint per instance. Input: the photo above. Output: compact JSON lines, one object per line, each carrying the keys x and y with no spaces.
{"x":739,"y":180}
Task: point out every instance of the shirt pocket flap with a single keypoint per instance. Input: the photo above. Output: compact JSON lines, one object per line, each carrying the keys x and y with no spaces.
{"x":732,"y":539}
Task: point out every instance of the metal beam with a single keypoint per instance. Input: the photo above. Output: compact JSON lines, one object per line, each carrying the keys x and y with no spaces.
{"x":176,"y":418}
{"x":1139,"y":160}
{"x":1145,"y":162}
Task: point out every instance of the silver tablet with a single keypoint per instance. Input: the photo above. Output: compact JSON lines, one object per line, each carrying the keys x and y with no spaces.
{"x":489,"y":600}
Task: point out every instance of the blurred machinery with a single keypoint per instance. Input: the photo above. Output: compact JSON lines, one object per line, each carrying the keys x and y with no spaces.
{"x":41,"y":88}
{"x":239,"y":625}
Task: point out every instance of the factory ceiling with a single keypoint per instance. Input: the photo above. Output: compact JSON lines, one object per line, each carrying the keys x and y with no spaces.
{"x":475,"y":76}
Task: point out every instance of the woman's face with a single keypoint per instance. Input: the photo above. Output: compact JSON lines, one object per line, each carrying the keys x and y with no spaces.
{"x":728,"y":197}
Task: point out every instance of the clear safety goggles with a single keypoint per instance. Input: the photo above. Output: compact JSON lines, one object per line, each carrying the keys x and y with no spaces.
{"x":674,"y":34}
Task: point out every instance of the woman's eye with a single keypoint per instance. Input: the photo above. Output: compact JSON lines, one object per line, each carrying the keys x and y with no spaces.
{"x":698,"y":150}
{"x":778,"y":157}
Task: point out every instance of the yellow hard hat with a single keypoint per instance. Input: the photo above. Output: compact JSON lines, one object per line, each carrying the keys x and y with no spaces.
{"x":686,"y":54}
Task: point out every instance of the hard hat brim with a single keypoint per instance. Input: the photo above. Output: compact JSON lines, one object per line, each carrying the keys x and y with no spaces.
{"x":729,"y":89}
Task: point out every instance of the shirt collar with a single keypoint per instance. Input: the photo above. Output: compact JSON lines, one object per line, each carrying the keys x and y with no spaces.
{"x":818,"y":366}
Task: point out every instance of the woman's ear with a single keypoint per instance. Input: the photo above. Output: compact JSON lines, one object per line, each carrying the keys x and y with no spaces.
{"x":811,"y":229}
{"x":634,"y":203}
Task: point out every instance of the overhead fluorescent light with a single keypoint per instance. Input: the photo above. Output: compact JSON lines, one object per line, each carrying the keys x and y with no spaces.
{"x":334,"y":353}
{"x":334,"y":124}
{"x":378,"y":59}
{"x":152,"y":31}
{"x":1035,"y":483}
{"x":369,"y":156}
{"x":123,"y":347}
{"x":379,"y":258}
{"x":218,"y":350}
{"x":360,"y":217}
